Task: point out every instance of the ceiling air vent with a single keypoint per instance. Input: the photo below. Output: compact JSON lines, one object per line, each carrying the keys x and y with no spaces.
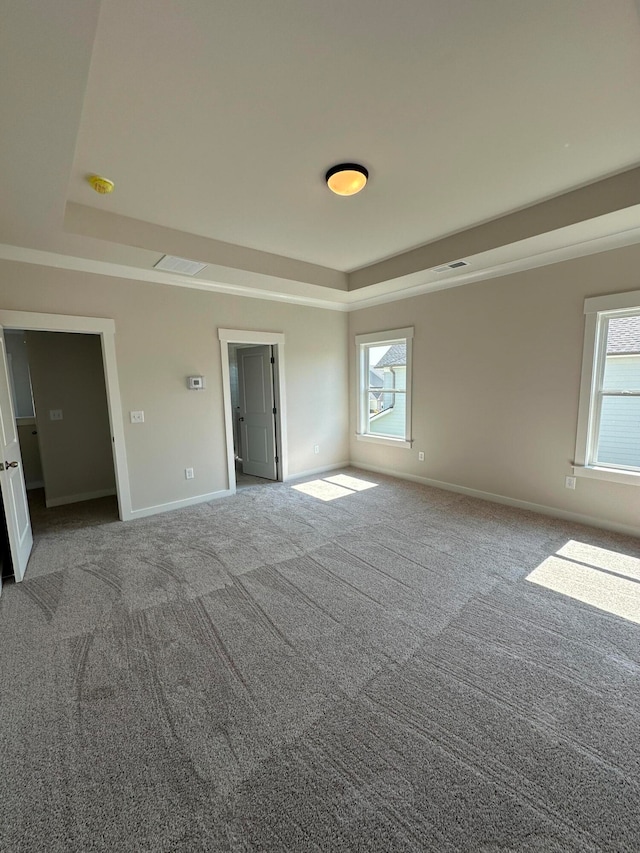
{"x":169,"y":263}
{"x":455,"y":265}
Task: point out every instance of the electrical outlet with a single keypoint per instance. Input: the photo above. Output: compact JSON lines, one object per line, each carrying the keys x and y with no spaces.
{"x":316,"y":448}
{"x":570,"y":482}
{"x":137,"y":417}
{"x":188,"y":473}
{"x":421,"y":456}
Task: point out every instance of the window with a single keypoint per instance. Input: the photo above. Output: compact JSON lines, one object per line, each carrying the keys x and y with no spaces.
{"x":608,"y":442}
{"x":384,"y":387}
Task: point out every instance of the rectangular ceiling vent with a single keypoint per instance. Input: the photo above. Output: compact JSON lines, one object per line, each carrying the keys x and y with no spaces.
{"x":169,"y":263}
{"x":455,"y":265}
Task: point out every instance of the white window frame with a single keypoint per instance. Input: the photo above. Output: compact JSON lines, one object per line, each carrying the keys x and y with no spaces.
{"x":598,"y":311}
{"x":393,"y":336}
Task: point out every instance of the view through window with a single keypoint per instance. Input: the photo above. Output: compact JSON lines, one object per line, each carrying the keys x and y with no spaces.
{"x":618,"y":402}
{"x":384,"y":364}
{"x":608,"y":434}
{"x":387,"y":371}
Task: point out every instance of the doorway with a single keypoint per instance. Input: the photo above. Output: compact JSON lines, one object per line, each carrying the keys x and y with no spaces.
{"x":60,"y":405}
{"x":254,"y":407}
{"x":14,"y":495}
{"x":255,"y":430}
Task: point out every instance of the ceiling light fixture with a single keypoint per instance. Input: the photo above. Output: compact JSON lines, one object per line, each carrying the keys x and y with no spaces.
{"x":346,"y":178}
{"x":101,"y":185}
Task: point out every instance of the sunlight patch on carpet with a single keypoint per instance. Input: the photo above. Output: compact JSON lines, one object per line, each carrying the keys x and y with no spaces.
{"x":353,"y":483}
{"x":604,"y":579}
{"x":601,"y":558}
{"x":330,"y":488}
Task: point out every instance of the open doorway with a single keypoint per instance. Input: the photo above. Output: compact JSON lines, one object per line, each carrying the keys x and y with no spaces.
{"x":255,"y":426}
{"x":60,"y":404}
{"x":12,"y":476}
{"x":253,"y":393}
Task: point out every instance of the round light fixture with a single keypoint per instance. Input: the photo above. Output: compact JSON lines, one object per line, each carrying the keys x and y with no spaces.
{"x":346,"y":178}
{"x":101,"y":185}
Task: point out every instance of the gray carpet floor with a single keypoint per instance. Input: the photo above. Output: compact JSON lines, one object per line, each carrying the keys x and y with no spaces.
{"x":394,"y":669}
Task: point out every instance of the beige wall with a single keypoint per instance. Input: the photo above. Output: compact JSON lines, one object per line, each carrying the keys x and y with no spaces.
{"x":76,"y":452}
{"x":496,"y":383}
{"x":496,"y":379}
{"x":163,"y":335}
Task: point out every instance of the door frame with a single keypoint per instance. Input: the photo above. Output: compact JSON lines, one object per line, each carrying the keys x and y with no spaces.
{"x":106,"y":329}
{"x":276,"y":340}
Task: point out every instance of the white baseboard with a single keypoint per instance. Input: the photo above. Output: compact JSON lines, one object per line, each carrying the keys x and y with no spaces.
{"x":74,"y":499}
{"x":554,"y":512}
{"x":314,"y":471}
{"x":35,"y":484}
{"x":212,"y":496}
{"x":158,"y":508}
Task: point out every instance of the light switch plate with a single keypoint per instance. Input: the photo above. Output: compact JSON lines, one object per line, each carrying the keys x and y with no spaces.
{"x":137,"y":417}
{"x":55,"y":414}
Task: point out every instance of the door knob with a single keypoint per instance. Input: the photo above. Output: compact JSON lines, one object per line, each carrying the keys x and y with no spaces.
{"x":10,"y":464}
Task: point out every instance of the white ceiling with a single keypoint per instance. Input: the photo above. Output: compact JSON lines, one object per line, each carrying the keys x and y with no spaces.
{"x":218,"y":119}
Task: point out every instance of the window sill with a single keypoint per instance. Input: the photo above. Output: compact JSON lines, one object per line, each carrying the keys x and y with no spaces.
{"x":614,"y":475}
{"x":384,"y":439}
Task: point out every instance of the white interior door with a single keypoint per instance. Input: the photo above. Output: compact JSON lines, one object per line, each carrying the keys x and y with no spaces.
{"x":14,"y":492}
{"x":257,"y":417}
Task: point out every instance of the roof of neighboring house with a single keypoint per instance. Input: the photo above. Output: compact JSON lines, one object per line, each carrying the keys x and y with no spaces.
{"x":624,"y":336}
{"x":395,"y":356}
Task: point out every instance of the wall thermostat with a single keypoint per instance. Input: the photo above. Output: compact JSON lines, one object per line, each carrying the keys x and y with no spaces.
{"x":195,"y":383}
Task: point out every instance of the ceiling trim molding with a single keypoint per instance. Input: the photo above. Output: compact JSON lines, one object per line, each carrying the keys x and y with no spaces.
{"x":542,"y":259}
{"x":593,"y":201}
{"x":70,"y":262}
{"x":347,"y":301}
{"x":86,"y":221}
